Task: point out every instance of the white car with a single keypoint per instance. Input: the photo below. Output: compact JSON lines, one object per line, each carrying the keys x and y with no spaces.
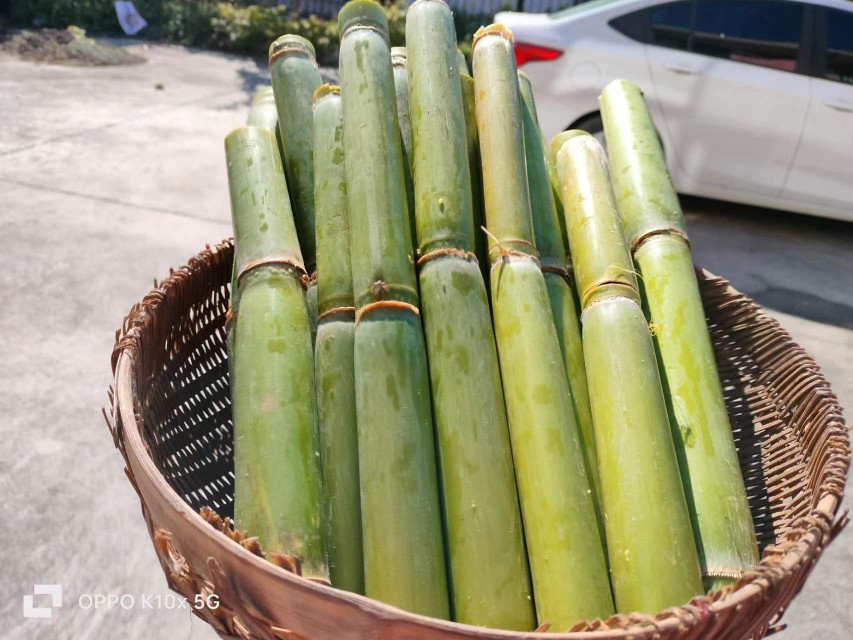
{"x":753,"y":99}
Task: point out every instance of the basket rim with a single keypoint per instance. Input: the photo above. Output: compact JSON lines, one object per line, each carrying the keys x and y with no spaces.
{"x":814,"y":530}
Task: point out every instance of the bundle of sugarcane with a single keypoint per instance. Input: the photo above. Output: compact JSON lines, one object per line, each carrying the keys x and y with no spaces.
{"x":477,"y":476}
{"x":335,"y":376}
{"x":558,"y":279}
{"x":276,"y":466}
{"x":401,"y":519}
{"x":653,"y":560}
{"x":654,"y":227}
{"x":499,"y":462}
{"x":295,"y":77}
{"x":565,"y":549}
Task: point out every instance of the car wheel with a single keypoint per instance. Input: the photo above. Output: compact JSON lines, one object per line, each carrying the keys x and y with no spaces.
{"x":595,"y":127}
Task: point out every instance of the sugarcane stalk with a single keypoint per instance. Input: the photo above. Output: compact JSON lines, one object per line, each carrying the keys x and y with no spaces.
{"x":654,"y":226}
{"x":401,"y":519}
{"x":295,"y":77}
{"x":333,"y":350}
{"x":276,"y":461}
{"x":401,"y":89}
{"x":262,"y":112}
{"x":472,"y":138}
{"x":462,"y":63}
{"x":653,"y":560}
{"x":565,"y":549}
{"x":555,"y":190}
{"x":477,"y":476}
{"x":558,"y":280}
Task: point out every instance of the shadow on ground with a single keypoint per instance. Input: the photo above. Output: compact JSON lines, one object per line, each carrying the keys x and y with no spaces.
{"x":796,"y":286}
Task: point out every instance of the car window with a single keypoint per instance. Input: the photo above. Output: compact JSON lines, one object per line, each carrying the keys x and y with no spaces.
{"x":670,"y":25}
{"x":759,"y":32}
{"x":839,"y":46}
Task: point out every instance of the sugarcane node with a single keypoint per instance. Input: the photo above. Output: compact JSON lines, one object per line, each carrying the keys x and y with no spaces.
{"x":336,"y":311}
{"x":385,"y":304}
{"x":399,"y":56}
{"x":565,"y":273}
{"x":493,"y":30}
{"x":308,"y":279}
{"x":365,"y":27}
{"x":291,"y":44}
{"x":363,"y":14}
{"x":291,"y":264}
{"x":379,"y":289}
{"x":505,"y":252}
{"x":606,"y":291}
{"x":637,"y":242}
{"x":447,"y":252}
{"x":510,"y":255}
{"x":230,"y":317}
{"x":325,"y":90}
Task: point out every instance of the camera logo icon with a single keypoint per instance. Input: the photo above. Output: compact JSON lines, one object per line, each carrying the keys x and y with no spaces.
{"x":52,"y":590}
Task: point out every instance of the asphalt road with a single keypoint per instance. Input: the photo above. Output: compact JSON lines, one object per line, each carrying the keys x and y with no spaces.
{"x":109,"y":176}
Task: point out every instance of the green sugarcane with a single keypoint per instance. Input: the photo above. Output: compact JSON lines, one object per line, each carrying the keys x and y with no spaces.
{"x":654,"y":226}
{"x":263,"y":112}
{"x":333,"y":350}
{"x":565,"y":549}
{"x":558,"y":280}
{"x":401,"y":90}
{"x":276,"y":455}
{"x":555,"y":189}
{"x":401,"y":520}
{"x":462,"y":63}
{"x":653,"y":560}
{"x":295,"y":77}
{"x":472,"y":137}
{"x":478,"y":480}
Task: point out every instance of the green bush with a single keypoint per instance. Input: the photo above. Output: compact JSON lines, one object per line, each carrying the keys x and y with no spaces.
{"x":96,"y":16}
{"x":234,"y":27}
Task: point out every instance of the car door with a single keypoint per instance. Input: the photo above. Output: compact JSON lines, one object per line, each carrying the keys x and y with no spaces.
{"x":727,"y":77}
{"x":823,"y":168}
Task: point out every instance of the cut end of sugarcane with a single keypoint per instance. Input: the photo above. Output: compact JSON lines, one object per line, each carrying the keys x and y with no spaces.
{"x":291,"y":44}
{"x":325,"y":90}
{"x":561,"y":138}
{"x":263,"y":94}
{"x":399,"y":57}
{"x":621,"y":86}
{"x":493,"y":30}
{"x":361,"y":14}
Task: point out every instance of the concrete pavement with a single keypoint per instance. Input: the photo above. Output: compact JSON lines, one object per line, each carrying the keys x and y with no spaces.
{"x":106,"y":181}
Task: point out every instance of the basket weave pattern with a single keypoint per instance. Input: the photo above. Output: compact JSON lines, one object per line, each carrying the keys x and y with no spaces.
{"x":171,"y":420}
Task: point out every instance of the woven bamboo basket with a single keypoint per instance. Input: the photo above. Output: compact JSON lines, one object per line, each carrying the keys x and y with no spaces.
{"x":171,"y":420}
